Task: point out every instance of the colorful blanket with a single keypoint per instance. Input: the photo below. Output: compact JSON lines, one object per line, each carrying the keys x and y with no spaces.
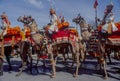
{"x":64,"y":35}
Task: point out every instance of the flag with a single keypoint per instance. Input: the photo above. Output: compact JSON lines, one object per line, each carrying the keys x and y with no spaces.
{"x":95,"y":4}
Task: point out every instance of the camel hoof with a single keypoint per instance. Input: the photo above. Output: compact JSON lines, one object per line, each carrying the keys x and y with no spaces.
{"x":53,"y":76}
{"x":1,"y":73}
{"x":106,"y":77}
{"x":17,"y":75}
{"x":75,"y":75}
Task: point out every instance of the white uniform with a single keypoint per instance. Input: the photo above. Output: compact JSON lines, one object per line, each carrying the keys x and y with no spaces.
{"x":5,"y":25}
{"x":53,"y":26}
{"x":109,"y":19}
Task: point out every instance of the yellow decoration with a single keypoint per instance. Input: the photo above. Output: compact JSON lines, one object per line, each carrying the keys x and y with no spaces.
{"x":47,"y":27}
{"x":13,"y":31}
{"x":23,"y":35}
{"x":63,"y":25}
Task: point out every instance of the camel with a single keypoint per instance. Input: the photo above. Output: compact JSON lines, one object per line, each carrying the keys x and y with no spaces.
{"x":86,"y":33}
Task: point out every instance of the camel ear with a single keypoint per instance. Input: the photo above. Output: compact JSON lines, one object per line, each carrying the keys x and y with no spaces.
{"x":30,"y":16}
{"x":19,"y":18}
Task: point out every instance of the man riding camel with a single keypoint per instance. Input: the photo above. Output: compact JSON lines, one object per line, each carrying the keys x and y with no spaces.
{"x":108,"y":20}
{"x":5,"y":23}
{"x":53,"y":21}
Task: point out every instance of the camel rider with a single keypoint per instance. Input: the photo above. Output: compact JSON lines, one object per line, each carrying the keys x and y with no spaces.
{"x":53,"y":22}
{"x":5,"y":23}
{"x":109,"y":25}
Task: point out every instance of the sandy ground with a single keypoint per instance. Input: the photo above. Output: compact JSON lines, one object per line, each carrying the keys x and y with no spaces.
{"x":88,"y":72}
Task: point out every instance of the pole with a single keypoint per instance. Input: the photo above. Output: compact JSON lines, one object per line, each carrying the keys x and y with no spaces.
{"x":95,"y":6}
{"x":96,"y":17}
{"x":12,"y":44}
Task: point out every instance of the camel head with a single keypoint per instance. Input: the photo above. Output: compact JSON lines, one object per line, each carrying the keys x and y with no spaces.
{"x":78,"y":19}
{"x":25,"y":19}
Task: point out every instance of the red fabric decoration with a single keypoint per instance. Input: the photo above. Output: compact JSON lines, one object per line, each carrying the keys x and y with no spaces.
{"x":95,"y":4}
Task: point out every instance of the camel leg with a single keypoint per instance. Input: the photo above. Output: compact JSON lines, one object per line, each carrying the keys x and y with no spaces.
{"x":105,"y":56}
{"x":24,"y":59}
{"x":9,"y":63}
{"x":30,"y":60}
{"x":65,"y":60}
{"x":103,"y":63}
{"x":105,"y":71}
{"x":53,"y":66}
{"x":78,"y":64}
{"x":44,"y":65}
{"x":98,"y":66}
{"x":108,"y":55}
{"x":63,"y":57}
{"x":67,"y":52}
{"x":7,"y":52}
{"x":82,"y":57}
{"x":21,"y":69}
{"x":36,"y":65}
{"x":1,"y":67}
{"x":73,"y":57}
{"x":118,"y":55}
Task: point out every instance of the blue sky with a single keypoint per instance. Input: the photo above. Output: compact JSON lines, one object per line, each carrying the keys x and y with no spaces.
{"x":39,"y":9}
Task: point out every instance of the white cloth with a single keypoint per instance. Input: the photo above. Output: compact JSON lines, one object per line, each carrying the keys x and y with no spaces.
{"x":53,"y":26}
{"x":4,"y":24}
{"x":4,"y":32}
{"x":105,"y":27}
{"x":53,"y":18}
{"x":114,"y":28}
{"x":109,"y":19}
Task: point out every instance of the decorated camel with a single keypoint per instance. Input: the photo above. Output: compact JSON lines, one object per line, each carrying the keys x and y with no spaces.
{"x":96,"y":47}
{"x":14,"y":38}
{"x":63,"y":37}
{"x":59,"y":40}
{"x":110,"y":31}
